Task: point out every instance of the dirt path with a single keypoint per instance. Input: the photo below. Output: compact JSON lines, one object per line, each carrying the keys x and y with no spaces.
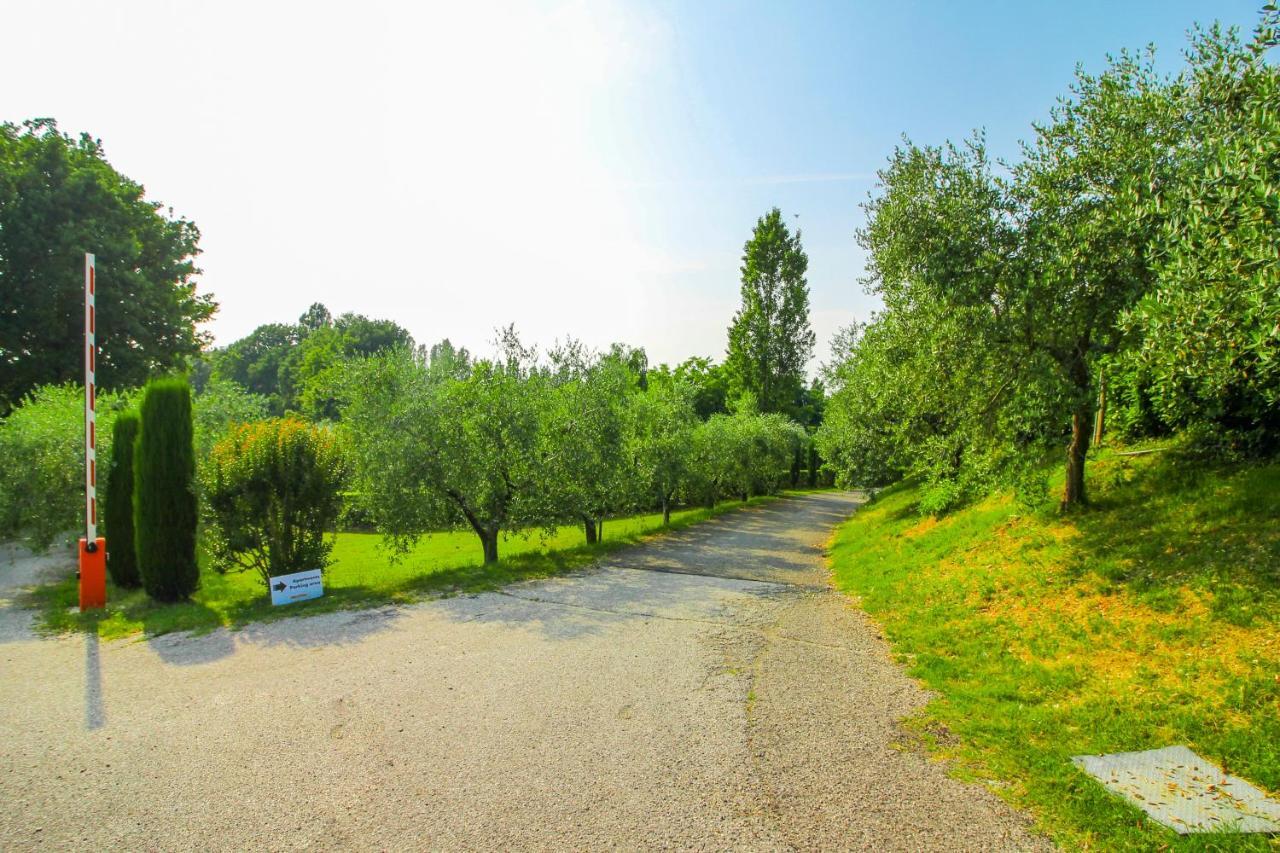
{"x":701,"y":691}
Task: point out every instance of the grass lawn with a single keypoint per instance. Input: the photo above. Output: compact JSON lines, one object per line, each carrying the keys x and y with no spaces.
{"x":1151,"y":618}
{"x":362,"y":575}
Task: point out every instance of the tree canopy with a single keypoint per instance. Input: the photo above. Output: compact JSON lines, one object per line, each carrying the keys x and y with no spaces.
{"x":1134,"y":236}
{"x":294,"y":366}
{"x":60,"y":198}
{"x":770,"y":340}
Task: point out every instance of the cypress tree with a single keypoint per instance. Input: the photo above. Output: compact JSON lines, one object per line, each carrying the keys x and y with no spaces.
{"x":117,"y":510}
{"x":164,"y":497}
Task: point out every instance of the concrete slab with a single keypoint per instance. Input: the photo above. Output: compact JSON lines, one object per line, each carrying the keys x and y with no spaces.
{"x":1183,"y":791}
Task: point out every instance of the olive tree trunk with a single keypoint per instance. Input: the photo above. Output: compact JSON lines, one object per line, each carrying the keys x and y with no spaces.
{"x":489,"y":541}
{"x":1073,"y":493}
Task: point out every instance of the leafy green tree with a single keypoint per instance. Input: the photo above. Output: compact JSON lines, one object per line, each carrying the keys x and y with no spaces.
{"x":255,"y":361}
{"x":1015,"y":287}
{"x":709,"y":383}
{"x":433,"y":451}
{"x":710,"y":462}
{"x":117,"y":505}
{"x":770,"y":340}
{"x":42,"y":461}
{"x":445,"y":359}
{"x":297,"y":367}
{"x":741,"y":454}
{"x":660,"y":427}
{"x":60,"y":198}
{"x":164,"y":492}
{"x":315,"y":318}
{"x":1209,"y":340}
{"x":1082,"y":257}
{"x":273,"y":488}
{"x":588,"y":473}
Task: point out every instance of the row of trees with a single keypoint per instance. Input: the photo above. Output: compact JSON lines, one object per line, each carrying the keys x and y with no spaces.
{"x":424,"y":440}
{"x":1134,"y":239}
{"x":514,"y":442}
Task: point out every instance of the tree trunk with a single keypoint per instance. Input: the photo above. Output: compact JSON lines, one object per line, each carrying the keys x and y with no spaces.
{"x":813,"y":466}
{"x":1102,"y":410}
{"x":1073,"y":494}
{"x":666,"y":511}
{"x":489,"y":539}
{"x":589,"y":527}
{"x":796,"y":461}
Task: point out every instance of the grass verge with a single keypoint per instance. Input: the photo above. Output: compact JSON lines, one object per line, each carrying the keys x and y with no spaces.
{"x":1151,"y":618}
{"x":362,"y":575}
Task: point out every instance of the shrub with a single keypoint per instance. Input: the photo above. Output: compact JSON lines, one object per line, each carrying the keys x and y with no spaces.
{"x":42,"y":461}
{"x":272,"y":489}
{"x":117,"y":508}
{"x":164,"y":497}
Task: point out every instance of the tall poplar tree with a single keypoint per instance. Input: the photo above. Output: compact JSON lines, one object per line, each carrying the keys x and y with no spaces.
{"x":770,"y":340}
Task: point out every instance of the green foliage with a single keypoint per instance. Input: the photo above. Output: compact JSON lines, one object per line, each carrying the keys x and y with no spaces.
{"x":741,"y":455}
{"x":60,"y":198}
{"x":272,"y":489}
{"x":42,"y":461}
{"x":709,"y":385}
{"x":583,"y":425}
{"x":1135,"y":237}
{"x":660,"y":429}
{"x":117,"y":504}
{"x":297,"y":368}
{"x":220,"y":406}
{"x":770,"y":340}
{"x":164,"y":495}
{"x":434,"y":451}
{"x":1208,"y":332}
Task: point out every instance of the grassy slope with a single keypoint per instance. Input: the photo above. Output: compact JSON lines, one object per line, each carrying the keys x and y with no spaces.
{"x":1150,"y":619}
{"x":362,"y":574}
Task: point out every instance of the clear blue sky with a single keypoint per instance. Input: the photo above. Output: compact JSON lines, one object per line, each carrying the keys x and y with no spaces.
{"x":576,"y":168}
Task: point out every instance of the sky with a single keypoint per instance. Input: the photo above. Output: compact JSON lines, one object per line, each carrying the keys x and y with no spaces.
{"x":584,"y":169}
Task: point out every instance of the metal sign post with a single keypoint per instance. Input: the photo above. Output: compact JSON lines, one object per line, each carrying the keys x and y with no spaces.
{"x":93,"y":549}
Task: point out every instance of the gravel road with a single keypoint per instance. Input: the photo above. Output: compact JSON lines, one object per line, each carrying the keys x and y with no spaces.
{"x":705,"y":690}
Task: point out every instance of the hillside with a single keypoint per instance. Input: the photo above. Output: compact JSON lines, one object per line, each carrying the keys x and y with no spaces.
{"x":1150,"y":618}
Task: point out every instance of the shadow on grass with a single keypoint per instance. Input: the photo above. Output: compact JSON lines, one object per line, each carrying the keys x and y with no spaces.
{"x":219,"y":605}
{"x":1173,"y":523}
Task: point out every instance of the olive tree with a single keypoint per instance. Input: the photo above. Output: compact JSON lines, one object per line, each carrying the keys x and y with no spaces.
{"x":433,"y":451}
{"x":1208,"y":333}
{"x":587,"y":473}
{"x":660,"y":428}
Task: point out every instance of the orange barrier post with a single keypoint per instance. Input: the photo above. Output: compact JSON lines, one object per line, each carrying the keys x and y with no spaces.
{"x":93,"y":573}
{"x":93,"y":548}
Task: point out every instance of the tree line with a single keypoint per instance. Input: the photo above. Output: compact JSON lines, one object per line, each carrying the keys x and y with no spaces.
{"x":1123,"y":273}
{"x":297,"y":420}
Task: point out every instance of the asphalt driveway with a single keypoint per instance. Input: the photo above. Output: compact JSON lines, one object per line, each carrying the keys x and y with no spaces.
{"x":705,"y":690}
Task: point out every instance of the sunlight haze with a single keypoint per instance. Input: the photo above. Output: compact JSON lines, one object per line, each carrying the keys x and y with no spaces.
{"x":574,"y":168}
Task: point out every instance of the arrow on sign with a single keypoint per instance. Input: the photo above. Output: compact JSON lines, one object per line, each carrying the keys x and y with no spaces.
{"x":280,"y":587}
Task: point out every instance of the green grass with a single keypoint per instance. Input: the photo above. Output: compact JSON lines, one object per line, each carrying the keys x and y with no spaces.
{"x":362,"y":575}
{"x":1151,"y":618}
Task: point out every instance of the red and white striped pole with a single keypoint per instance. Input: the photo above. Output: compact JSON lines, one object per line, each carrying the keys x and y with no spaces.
{"x":93,"y":550}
